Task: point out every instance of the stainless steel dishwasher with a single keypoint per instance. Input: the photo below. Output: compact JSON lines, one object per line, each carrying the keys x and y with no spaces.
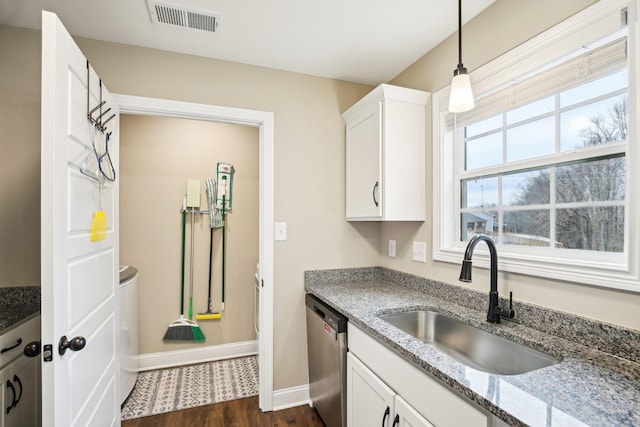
{"x":327,"y":350}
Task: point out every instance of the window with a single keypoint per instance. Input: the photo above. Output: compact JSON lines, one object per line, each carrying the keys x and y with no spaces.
{"x":542,"y":164}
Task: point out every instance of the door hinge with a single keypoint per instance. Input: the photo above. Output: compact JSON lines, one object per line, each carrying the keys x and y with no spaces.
{"x":262,"y":281}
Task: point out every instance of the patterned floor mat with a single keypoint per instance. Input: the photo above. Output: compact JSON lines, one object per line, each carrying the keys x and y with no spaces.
{"x":185,"y":387}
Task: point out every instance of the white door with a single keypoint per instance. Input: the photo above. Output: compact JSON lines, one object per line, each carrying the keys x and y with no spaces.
{"x":79,"y":277}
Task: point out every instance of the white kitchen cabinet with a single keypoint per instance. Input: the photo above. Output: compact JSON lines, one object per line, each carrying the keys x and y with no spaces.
{"x":25,"y":380}
{"x":385,"y":155}
{"x":370,"y":402}
{"x":407,"y":416}
{"x":418,"y":399}
{"x":20,"y":377}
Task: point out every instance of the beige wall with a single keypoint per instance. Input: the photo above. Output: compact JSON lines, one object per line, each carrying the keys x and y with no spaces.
{"x":20,"y":157}
{"x":309,"y":166}
{"x":309,"y":163}
{"x":157,"y":156}
{"x":502,"y":26}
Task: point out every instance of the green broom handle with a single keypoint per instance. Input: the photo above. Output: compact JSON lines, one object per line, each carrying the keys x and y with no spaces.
{"x":184,"y":222}
{"x":193,"y":220}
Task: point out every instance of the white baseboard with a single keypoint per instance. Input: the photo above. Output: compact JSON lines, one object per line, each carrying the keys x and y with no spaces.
{"x":190,"y":356}
{"x":289,"y":397}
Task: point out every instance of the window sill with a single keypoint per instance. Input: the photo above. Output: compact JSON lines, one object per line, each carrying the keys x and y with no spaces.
{"x":601,"y":274}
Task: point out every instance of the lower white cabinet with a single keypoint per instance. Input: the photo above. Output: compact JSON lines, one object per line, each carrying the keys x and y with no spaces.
{"x":20,"y":376}
{"x":378,"y":378}
{"x":407,"y":416}
{"x":21,"y":386}
{"x":370,"y":402}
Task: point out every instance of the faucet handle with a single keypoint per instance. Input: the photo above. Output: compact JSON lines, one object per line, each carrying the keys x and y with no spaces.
{"x":510,"y":313}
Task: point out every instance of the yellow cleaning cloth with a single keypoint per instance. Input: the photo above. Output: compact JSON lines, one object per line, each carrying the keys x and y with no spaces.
{"x":99,"y":226}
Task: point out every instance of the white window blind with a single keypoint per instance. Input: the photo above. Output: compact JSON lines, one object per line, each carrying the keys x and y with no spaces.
{"x":597,"y":49}
{"x":587,"y":66}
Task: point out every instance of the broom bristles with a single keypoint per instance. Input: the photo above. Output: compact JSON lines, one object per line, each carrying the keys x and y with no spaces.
{"x":183,"y":330}
{"x":178,"y":333}
{"x":198,"y":336}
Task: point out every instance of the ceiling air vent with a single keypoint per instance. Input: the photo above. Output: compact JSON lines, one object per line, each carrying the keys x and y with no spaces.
{"x":182,"y":17}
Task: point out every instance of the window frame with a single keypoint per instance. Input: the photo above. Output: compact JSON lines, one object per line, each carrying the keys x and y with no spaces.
{"x":610,"y":270}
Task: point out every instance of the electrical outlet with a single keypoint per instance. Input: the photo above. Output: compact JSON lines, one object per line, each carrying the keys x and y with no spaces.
{"x":392,"y":248}
{"x":420,"y":251}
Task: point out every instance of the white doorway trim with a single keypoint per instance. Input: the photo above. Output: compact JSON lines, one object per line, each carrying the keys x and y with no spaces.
{"x":265,"y":122}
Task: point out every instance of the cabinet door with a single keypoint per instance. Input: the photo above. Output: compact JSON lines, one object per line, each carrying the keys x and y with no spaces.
{"x":7,"y":393}
{"x":406,"y":416}
{"x":364,"y":164}
{"x":24,"y":378}
{"x":370,"y":402}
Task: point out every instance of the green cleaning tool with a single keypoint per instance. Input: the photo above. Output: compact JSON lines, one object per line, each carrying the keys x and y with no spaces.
{"x":183,"y":329}
{"x":224,"y":175}
{"x":215,"y":221}
{"x":193,"y":204}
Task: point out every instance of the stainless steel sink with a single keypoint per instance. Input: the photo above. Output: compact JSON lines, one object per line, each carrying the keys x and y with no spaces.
{"x":469,"y":345}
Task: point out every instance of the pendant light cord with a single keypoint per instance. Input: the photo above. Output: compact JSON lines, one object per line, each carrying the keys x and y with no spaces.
{"x":460,"y":34}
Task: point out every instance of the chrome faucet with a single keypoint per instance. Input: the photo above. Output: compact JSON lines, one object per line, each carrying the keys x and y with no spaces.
{"x":495,"y":312}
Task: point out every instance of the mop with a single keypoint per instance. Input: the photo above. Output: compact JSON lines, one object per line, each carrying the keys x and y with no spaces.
{"x":223,"y":200}
{"x":183,"y":329}
{"x":215,"y":221}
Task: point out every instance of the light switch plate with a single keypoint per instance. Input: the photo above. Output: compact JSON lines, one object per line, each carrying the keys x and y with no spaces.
{"x":420,"y":251}
{"x":280,"y":231}
{"x":392,"y":248}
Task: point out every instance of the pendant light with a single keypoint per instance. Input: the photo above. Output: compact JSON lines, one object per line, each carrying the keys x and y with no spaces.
{"x":461,"y":95}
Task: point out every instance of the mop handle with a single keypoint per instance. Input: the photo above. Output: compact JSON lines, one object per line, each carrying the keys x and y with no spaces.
{"x":184,"y":226}
{"x":224,"y":226}
{"x":193,"y":218}
{"x":210,"y":265}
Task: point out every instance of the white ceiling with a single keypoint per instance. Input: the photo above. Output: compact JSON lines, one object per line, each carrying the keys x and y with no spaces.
{"x":365,"y":41}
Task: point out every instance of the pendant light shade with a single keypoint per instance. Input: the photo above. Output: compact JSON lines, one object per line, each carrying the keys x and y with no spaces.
{"x":461,"y":95}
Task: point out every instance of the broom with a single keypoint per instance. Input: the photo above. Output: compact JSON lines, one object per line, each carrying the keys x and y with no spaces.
{"x":183,"y":329}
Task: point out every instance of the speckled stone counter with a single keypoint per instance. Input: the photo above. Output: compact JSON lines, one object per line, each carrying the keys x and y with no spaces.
{"x":597,"y":382}
{"x":18,"y":304}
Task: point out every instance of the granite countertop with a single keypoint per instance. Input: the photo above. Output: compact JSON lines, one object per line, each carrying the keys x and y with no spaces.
{"x":18,"y":304}
{"x":588,"y":387}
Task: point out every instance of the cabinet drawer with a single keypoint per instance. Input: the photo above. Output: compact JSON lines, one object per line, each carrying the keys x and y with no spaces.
{"x":436,"y":402}
{"x":14,"y":340}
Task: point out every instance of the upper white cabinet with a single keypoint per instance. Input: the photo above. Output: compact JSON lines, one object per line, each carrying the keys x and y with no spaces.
{"x":386,"y":155}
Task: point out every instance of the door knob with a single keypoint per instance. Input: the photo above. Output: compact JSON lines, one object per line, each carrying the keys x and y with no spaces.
{"x":32,"y":349}
{"x":76,"y":344}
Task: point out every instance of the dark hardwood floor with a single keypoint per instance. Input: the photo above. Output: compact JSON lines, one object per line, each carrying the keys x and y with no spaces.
{"x":234,"y":413}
